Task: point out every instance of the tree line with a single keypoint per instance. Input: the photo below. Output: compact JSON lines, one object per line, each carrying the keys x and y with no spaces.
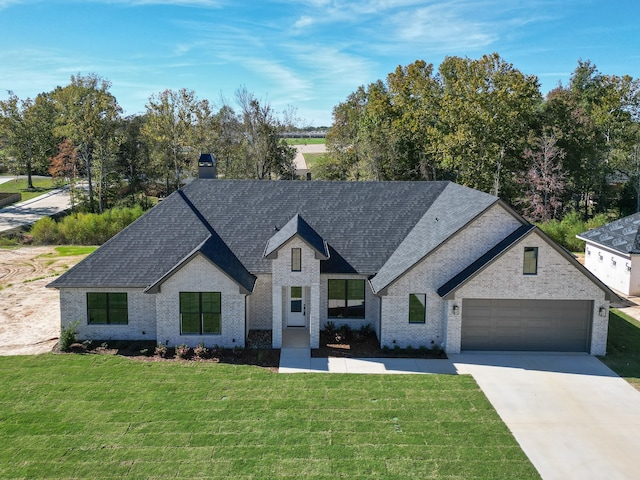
{"x":78,"y":132}
{"x":479,"y":122}
{"x":485,"y":124}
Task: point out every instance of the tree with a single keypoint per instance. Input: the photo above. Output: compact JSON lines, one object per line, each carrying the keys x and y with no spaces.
{"x":544,"y":181}
{"x":87,"y":113}
{"x":27,"y":129}
{"x":174,"y":132}
{"x":267,"y":152}
{"x":487,"y":113}
{"x":66,"y":165}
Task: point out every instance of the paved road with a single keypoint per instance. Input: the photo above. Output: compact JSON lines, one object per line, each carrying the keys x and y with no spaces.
{"x":30,"y":211}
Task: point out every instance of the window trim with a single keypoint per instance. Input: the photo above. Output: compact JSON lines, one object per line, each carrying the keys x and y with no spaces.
{"x":345,"y":306}
{"x":296,"y":259}
{"x":424,"y":308}
{"x":201,"y":314}
{"x":109,"y":308}
{"x":525,"y":270}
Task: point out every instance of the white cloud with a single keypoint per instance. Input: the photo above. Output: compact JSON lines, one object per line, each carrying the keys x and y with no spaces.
{"x":303,"y":22}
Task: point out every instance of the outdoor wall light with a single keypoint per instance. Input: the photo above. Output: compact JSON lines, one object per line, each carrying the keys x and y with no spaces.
{"x":613,"y":261}
{"x":628,"y":267}
{"x":456,"y":309}
{"x":600,"y":256}
{"x":603,"y":311}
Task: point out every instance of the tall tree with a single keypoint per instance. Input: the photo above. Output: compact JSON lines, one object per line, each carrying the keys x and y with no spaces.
{"x":487,"y":112}
{"x":544,"y":180}
{"x":267,"y":152}
{"x":174,"y":133}
{"x":87,"y":113}
{"x":27,"y":128}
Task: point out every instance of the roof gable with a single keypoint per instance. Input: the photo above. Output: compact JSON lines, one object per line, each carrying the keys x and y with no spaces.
{"x":297,"y":226}
{"x":454,"y":208}
{"x":450,"y":287}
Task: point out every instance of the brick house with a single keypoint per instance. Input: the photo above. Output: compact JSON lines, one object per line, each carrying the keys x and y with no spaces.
{"x":422,"y":263}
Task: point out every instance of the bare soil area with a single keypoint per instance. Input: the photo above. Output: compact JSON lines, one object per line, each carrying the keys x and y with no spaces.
{"x":30,"y":312}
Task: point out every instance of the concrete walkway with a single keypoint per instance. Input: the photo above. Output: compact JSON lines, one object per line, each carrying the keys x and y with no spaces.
{"x":572,"y":416}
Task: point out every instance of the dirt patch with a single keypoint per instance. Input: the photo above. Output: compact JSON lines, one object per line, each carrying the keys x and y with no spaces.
{"x":30,"y":312}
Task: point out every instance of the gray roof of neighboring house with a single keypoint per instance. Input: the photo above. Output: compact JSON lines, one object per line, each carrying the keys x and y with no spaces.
{"x":368,"y":227}
{"x":621,"y":235}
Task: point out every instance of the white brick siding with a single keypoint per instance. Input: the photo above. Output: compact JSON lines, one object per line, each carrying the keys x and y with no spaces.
{"x":141,"y":313}
{"x":620,"y":272}
{"x":283,"y":277}
{"x":200,"y":275}
{"x":556,"y":279}
{"x":259,"y":314}
{"x":432,"y":272}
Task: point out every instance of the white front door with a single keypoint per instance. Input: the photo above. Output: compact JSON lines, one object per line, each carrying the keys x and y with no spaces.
{"x":297,"y":308}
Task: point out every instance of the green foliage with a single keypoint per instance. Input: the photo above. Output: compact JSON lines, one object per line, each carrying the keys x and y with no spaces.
{"x":84,"y":228}
{"x":88,"y":416}
{"x":40,"y":186}
{"x":68,"y":336}
{"x":564,"y":231}
{"x":623,"y":347}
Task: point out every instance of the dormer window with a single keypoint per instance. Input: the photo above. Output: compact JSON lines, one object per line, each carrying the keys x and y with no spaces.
{"x":296,"y":259}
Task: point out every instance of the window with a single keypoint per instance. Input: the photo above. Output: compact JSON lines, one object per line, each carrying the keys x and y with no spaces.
{"x":296,"y":260}
{"x":346,"y":299}
{"x":530,"y":261}
{"x":200,"y":313}
{"x":107,"y":308}
{"x":417,"y":307}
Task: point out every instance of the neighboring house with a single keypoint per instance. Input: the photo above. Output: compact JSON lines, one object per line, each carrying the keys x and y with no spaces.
{"x":612,"y":253}
{"x":423,"y":263}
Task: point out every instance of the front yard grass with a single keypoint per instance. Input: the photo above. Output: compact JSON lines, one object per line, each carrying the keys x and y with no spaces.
{"x":623,"y":347}
{"x":40,"y":186}
{"x":100,"y":416}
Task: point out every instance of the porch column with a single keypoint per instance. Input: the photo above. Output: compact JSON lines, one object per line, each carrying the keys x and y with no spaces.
{"x":276,"y":328}
{"x":314,"y":316}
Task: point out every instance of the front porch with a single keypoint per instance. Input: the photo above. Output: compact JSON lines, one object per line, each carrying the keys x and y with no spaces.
{"x":296,"y":337}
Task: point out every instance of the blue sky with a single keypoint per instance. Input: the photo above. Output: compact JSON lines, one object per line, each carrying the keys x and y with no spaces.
{"x":307,"y":54}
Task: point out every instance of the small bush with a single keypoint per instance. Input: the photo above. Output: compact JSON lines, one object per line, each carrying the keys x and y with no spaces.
{"x":330,"y":327}
{"x":68,"y":336}
{"x":183,"y":351}
{"x":161,"y":350}
{"x":201,"y":351}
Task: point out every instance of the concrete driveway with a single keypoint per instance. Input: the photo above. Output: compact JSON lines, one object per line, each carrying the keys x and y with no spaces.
{"x":572,"y":416}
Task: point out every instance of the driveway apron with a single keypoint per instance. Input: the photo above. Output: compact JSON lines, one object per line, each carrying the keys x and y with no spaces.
{"x":572,"y":415}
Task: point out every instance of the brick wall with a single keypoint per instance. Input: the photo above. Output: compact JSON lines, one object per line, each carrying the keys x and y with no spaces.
{"x":200,"y":275}
{"x":260,"y":309}
{"x":431,"y":273}
{"x":557,"y":279}
{"x":141,"y":312}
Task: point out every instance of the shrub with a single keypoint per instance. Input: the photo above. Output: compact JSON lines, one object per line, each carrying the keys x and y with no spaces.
{"x":330,"y":327}
{"x":201,"y":351}
{"x":68,"y":336}
{"x":44,"y":231}
{"x":183,"y":351}
{"x":161,"y":350}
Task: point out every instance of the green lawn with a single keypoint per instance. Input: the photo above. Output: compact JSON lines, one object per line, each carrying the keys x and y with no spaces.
{"x":100,"y":416}
{"x":40,"y":186}
{"x":311,"y":159}
{"x":623,"y":347}
{"x":71,"y":251}
{"x":306,"y":141}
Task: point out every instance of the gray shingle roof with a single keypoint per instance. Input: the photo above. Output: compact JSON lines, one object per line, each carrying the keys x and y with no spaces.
{"x":297,"y":226}
{"x":621,"y":235}
{"x":369,"y":227}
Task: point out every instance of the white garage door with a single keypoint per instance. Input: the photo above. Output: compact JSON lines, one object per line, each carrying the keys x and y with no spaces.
{"x":526,"y":325}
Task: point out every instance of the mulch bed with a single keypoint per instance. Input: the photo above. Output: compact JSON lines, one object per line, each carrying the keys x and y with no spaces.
{"x":258,"y":351}
{"x":359,"y":345}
